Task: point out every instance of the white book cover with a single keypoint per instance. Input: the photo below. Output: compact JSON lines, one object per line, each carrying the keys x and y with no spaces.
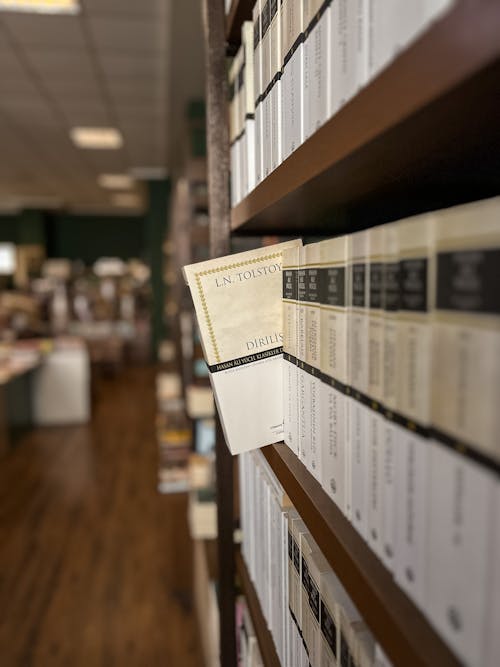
{"x":290,"y":334}
{"x":359,"y":360}
{"x":296,"y":65}
{"x":249,"y":150}
{"x":257,"y":85}
{"x":316,"y":66}
{"x":304,"y":421}
{"x":285,"y":80}
{"x":275,"y":57}
{"x":238,"y":306}
{"x":376,"y":421}
{"x":313,"y":355}
{"x":266,"y":80}
{"x":492,"y":636}
{"x":383,"y":34}
{"x":318,"y":566}
{"x":344,"y":57}
{"x":465,"y":456}
{"x":391,"y":293}
{"x":334,"y":368}
{"x":413,"y":405}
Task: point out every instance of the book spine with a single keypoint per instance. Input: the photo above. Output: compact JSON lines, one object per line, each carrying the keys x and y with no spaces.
{"x":391,"y":296}
{"x":289,"y":300}
{"x":359,"y":381}
{"x":334,"y":367}
{"x":376,"y":422}
{"x":413,"y":406}
{"x":266,"y":76}
{"x":275,"y":83}
{"x":247,"y":38}
{"x":313,"y":356}
{"x":303,"y":421}
{"x":257,"y":72}
{"x":465,"y":452}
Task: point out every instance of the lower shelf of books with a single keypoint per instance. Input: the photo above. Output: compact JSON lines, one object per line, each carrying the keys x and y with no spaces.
{"x":335,"y":595}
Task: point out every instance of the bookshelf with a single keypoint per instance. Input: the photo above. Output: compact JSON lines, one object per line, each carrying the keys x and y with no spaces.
{"x":422,"y":135}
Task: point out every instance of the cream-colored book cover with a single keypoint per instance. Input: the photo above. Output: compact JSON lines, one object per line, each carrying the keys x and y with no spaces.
{"x":465,"y":452}
{"x":290,"y":333}
{"x":334,"y":369}
{"x":313,"y":356}
{"x":239,"y":309}
{"x":413,"y":404}
{"x":257,"y":86}
{"x":376,"y":421}
{"x":391,"y":295}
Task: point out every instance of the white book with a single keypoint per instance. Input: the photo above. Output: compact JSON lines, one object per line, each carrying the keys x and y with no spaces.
{"x":285,"y":79}
{"x":257,"y":73}
{"x":376,"y":421}
{"x":349,"y":56}
{"x":334,"y":369}
{"x":292,"y":77}
{"x":391,"y":294}
{"x":266,"y":80}
{"x":313,"y":356}
{"x":413,"y":405}
{"x":465,"y":397}
{"x":317,"y":79}
{"x":290,"y":336}
{"x":240,"y":139}
{"x":304,"y":417}
{"x":233,"y":126}
{"x":383,"y":34}
{"x":275,"y":94}
{"x":238,"y":305}
{"x":249,"y":168}
{"x":359,"y":359}
{"x":318,"y":566}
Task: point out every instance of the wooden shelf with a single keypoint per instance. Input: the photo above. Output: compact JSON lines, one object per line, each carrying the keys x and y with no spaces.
{"x":240,"y":11}
{"x":397,"y":624}
{"x":266,"y":643}
{"x":422,"y":135}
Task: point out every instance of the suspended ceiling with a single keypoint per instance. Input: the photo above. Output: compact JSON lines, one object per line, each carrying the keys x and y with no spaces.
{"x":128,"y":64}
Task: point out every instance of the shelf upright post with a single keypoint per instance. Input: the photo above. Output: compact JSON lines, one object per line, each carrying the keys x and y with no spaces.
{"x":219,"y":210}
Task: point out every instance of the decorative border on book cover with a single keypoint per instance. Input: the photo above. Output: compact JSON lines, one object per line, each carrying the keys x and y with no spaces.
{"x":203,"y":300}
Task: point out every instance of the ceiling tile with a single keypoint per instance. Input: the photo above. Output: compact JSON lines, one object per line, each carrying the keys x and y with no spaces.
{"x":131,"y":35}
{"x":46,"y":30}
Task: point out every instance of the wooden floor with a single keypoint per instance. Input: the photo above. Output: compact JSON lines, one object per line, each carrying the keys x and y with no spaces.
{"x":95,"y":566}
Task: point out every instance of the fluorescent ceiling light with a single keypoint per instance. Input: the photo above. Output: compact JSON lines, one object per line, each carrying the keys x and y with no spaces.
{"x":127,"y":200}
{"x":116,"y":181}
{"x":41,"y":6}
{"x":96,"y":137}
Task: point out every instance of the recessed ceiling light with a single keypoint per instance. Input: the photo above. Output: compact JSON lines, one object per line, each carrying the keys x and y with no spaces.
{"x":116,"y":181}
{"x":126,"y":200}
{"x":41,"y":6}
{"x":96,"y":137}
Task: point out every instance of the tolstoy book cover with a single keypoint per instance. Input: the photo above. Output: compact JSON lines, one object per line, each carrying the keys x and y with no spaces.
{"x":238,"y":305}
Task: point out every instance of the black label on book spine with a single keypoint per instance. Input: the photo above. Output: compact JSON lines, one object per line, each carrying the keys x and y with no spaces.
{"x":274,"y":8}
{"x":333,"y":286}
{"x":305,"y":576}
{"x":469,"y":281}
{"x":344,"y":651}
{"x":376,"y":284}
{"x":314,"y":598}
{"x":391,"y":289}
{"x":301,"y":284}
{"x":250,"y":358}
{"x":329,"y":629}
{"x":256,"y":33}
{"x":312,"y":286}
{"x":296,"y":556}
{"x":358,"y":285}
{"x":414,"y":284}
{"x":290,"y":284}
{"x":265,"y":18}
{"x":290,"y":546}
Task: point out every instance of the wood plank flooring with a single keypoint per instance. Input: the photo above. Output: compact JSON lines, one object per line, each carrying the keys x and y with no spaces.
{"x":95,"y":566}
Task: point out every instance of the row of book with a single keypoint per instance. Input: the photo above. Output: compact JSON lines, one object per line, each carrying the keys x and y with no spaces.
{"x":391,"y":341}
{"x":248,"y":646}
{"x":311,"y":618}
{"x":300,"y":62}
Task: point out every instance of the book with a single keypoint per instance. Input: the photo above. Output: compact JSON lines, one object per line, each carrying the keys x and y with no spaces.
{"x":415,"y":239}
{"x":275,"y":83}
{"x":292,"y":78}
{"x":312,"y":364}
{"x":376,"y":421}
{"x":465,"y":454}
{"x":257,"y":85}
{"x":266,"y":96}
{"x":334,"y":368}
{"x":290,"y":334}
{"x":249,"y":109}
{"x":390,"y":296}
{"x":237,"y":300}
{"x":233,"y":128}
{"x":304,"y":416}
{"x":359,"y":360}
